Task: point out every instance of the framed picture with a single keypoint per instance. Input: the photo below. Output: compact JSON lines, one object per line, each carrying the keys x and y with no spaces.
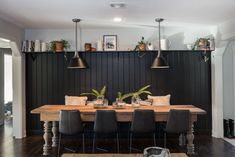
{"x":110,"y":42}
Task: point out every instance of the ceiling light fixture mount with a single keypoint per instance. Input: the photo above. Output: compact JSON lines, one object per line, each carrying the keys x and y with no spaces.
{"x":159,"y":62}
{"x":77,"y":62}
{"x":117,"y":5}
{"x":117,"y":19}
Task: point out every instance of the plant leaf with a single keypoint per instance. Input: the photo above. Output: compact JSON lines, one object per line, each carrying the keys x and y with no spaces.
{"x":88,"y":94}
{"x":126,"y":96}
{"x":143,"y":88}
{"x":103,"y":90}
{"x":119,"y":95}
{"x":95,"y":92}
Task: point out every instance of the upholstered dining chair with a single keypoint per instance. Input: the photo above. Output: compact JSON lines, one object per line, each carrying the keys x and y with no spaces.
{"x":143,"y":122}
{"x":75,"y":100}
{"x":105,"y":123}
{"x":70,"y":123}
{"x":177,"y":123}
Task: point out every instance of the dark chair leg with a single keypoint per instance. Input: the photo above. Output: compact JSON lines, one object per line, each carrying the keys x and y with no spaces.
{"x":93,"y":148}
{"x":117,"y":143}
{"x":83,"y":144}
{"x":154,"y":139}
{"x":164,"y":139}
{"x":58,"y":151}
{"x":130,"y":142}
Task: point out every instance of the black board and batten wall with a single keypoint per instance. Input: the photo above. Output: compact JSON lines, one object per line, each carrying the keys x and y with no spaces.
{"x":188,"y":80}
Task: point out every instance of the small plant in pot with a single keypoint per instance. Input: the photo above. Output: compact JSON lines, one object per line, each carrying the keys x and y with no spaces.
{"x":135,"y":100}
{"x":59,"y":45}
{"x":100,"y":100}
{"x":120,"y":100}
{"x":141,"y":45}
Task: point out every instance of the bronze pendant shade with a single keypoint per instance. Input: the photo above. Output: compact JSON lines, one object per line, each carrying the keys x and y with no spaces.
{"x":159,"y":62}
{"x":77,"y":62}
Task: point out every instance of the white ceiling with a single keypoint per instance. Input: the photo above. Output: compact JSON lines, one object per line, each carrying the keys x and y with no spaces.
{"x":98,"y":13}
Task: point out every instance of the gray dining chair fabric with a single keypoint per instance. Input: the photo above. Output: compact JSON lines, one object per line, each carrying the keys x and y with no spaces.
{"x":143,"y":122}
{"x":177,"y":123}
{"x":70,"y":123}
{"x":105,"y":123}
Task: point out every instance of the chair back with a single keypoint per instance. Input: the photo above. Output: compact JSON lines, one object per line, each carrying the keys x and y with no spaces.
{"x":143,"y":121}
{"x":76,"y":100}
{"x":105,"y":121}
{"x":178,"y":121}
{"x":70,"y":122}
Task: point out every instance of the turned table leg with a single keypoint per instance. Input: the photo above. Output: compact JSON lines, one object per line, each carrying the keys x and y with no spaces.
{"x":55,"y":133}
{"x":47,"y":138}
{"x":182,"y":140}
{"x":190,"y":138}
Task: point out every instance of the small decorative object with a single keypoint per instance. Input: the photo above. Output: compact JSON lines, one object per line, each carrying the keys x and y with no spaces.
{"x":212,"y":44}
{"x":156,"y":152}
{"x":59,"y":46}
{"x":100,"y":101}
{"x":44,"y":47}
{"x":37,"y":46}
{"x":165,"y":44}
{"x":120,"y":100}
{"x":150,"y":46}
{"x":99,"y":45}
{"x":110,"y":42}
{"x":135,"y":100}
{"x":88,"y":47}
{"x":189,"y":46}
{"x":141,"y":45}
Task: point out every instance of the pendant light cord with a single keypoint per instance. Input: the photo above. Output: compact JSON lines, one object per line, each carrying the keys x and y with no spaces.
{"x":76,"y":40}
{"x":159,"y":40}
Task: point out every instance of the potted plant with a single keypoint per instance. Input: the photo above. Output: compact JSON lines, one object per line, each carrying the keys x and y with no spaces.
{"x":202,"y":44}
{"x":136,"y":95}
{"x":120,"y":99}
{"x":59,"y":45}
{"x":141,"y":45}
{"x":100,"y":100}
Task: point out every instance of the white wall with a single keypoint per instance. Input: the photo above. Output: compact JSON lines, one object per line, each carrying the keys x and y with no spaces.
{"x":127,"y":37}
{"x":15,"y":34}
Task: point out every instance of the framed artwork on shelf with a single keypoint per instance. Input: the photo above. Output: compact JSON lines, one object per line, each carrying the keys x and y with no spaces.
{"x":110,"y":42}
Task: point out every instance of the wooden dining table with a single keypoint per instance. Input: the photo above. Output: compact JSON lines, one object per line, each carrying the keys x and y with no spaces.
{"x":49,"y":114}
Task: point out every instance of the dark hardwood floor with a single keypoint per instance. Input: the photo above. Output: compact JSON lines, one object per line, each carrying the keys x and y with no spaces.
{"x":31,"y":146}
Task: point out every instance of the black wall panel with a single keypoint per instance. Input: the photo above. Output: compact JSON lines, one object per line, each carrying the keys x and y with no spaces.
{"x":188,"y":80}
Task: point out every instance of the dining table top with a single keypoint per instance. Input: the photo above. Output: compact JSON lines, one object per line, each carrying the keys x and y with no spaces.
{"x":127,"y":109}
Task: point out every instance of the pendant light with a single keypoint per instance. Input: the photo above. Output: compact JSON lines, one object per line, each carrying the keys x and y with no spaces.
{"x":77,"y":62}
{"x":159,"y":61}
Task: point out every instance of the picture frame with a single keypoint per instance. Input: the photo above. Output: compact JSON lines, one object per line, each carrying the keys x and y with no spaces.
{"x":110,"y":42}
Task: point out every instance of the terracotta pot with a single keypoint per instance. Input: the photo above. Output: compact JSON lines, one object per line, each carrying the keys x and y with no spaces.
{"x":59,"y":47}
{"x":142,"y":47}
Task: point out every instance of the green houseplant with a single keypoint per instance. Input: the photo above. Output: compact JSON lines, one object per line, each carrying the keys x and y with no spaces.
{"x":120,"y":99}
{"x":59,"y":45}
{"x":100,"y":100}
{"x":141,"y":46}
{"x":136,"y":95}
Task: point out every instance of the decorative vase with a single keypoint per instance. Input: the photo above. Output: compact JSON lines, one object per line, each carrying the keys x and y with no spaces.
{"x":59,"y":47}
{"x":100,"y":102}
{"x":135,"y":101}
{"x":119,"y":103}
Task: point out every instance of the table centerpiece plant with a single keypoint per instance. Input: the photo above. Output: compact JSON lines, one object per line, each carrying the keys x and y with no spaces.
{"x":120,"y":99}
{"x":135,"y":99}
{"x":100,"y":100}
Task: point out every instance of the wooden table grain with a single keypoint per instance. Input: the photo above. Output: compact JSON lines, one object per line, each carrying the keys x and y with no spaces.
{"x":49,"y":114}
